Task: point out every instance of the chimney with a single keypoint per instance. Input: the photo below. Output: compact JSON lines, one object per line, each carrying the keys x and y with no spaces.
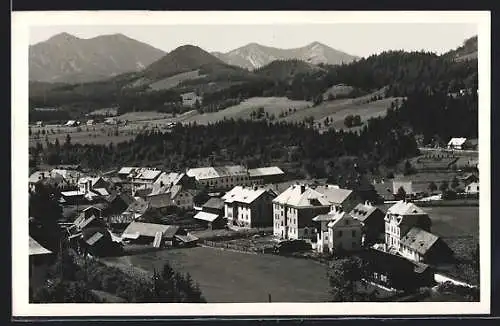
{"x":302,"y":189}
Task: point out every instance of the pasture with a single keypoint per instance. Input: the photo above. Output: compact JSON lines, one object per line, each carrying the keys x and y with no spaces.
{"x":173,"y":81}
{"x":227,"y":276}
{"x":271,"y":105}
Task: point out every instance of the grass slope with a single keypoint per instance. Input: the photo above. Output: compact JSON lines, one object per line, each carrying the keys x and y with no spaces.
{"x":271,"y":105}
{"x":226,"y":276}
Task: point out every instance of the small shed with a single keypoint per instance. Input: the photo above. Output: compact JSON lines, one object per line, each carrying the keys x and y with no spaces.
{"x":209,"y":220}
{"x":150,"y":233}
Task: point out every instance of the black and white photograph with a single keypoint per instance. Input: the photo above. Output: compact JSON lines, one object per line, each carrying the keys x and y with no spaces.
{"x":280,"y":162}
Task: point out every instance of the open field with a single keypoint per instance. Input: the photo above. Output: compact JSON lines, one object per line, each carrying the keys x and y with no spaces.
{"x":173,"y":81}
{"x":226,"y":276}
{"x":271,"y":105}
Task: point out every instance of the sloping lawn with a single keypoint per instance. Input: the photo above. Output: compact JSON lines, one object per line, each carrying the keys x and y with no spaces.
{"x":226,"y":276}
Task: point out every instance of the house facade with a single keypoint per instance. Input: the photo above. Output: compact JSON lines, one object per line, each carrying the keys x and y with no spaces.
{"x":422,"y":246}
{"x":399,"y":219}
{"x":458,"y":143}
{"x":266,"y":175}
{"x":295,"y":208}
{"x":472,"y":188}
{"x":221,"y":177}
{"x":372,"y":222}
{"x":248,"y":207}
{"x":339,"y":232}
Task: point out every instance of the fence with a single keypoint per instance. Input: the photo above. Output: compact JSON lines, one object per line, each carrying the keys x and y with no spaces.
{"x":231,"y":246}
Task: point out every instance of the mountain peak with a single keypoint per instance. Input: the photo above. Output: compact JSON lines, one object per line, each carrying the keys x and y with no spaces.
{"x":63,"y":37}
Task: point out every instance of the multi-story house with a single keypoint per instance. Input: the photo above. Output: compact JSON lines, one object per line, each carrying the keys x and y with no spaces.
{"x":221,"y":177}
{"x":372,"y":222}
{"x":339,"y":232}
{"x":295,"y":208}
{"x":249,"y":206}
{"x":399,"y":219}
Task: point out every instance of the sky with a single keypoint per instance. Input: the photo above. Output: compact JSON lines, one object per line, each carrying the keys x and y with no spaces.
{"x":356,"y":39}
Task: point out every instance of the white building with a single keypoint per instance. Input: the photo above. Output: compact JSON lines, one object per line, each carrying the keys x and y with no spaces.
{"x":221,"y":177}
{"x":249,"y":206}
{"x":295,"y":208}
{"x":457,"y":143}
{"x":143,"y":178}
{"x":399,"y":219}
{"x":472,"y":188}
{"x":339,"y":232}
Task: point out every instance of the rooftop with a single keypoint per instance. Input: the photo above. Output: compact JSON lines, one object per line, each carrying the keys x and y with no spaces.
{"x":245,"y":195}
{"x":419,"y":240}
{"x":305,"y":196}
{"x":136,"y":229}
{"x":266,"y":171}
{"x":217,"y":172}
{"x":405,"y":208}
{"x":37,"y":249}
{"x":362,"y":211}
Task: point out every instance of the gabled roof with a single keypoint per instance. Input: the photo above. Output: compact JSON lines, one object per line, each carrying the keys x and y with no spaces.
{"x":94,"y":239}
{"x":204,"y":216}
{"x":214,"y":203}
{"x":127,"y":170}
{"x":145,"y":174}
{"x":72,"y":193}
{"x":135,"y":229}
{"x":457,"y":141}
{"x":405,"y":208}
{"x":339,"y":217}
{"x":334,"y":194}
{"x":312,"y":196}
{"x":38,"y":176}
{"x":323,"y":218}
{"x":168,"y":179}
{"x":186,"y":238}
{"x":217,"y":172}
{"x":93,"y":180}
{"x":266,"y":171}
{"x":362,"y":211}
{"x":138,"y":206}
{"x":37,"y":249}
{"x":245,"y":195}
{"x":419,"y":240}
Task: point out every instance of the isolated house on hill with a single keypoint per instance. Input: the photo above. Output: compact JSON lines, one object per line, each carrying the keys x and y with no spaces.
{"x":458,"y":143}
{"x":249,"y":207}
{"x":472,"y":188}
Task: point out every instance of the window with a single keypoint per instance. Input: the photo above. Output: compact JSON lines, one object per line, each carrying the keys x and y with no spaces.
{"x":353,"y":233}
{"x":340,"y":233}
{"x":346,"y":222}
{"x":354,"y":244}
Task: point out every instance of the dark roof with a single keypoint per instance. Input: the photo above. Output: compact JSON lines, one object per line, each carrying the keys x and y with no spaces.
{"x":139,"y":206}
{"x":362,"y":211}
{"x":419,"y":240}
{"x":215,"y":203}
{"x":143,"y":192}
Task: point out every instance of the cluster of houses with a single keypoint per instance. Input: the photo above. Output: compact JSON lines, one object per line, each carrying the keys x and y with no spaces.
{"x":327,"y":217}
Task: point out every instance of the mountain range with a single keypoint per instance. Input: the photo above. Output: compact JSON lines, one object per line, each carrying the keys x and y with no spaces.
{"x":254,"y":55}
{"x":68,"y":59}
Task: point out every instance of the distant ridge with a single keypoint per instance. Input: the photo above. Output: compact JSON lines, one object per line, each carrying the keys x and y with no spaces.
{"x":253,"y":55}
{"x":66,"y":58}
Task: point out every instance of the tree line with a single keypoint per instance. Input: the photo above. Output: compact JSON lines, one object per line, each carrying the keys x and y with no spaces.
{"x":251,"y":143}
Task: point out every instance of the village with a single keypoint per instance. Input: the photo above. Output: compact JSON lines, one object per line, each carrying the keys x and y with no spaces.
{"x":260,"y":211}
